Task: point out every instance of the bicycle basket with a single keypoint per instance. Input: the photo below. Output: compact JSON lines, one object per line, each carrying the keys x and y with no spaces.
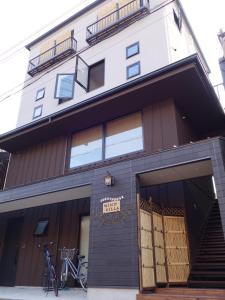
{"x":67,"y":253}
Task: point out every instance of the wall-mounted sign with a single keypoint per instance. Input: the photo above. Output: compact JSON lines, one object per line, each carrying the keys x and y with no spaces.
{"x":111,"y":207}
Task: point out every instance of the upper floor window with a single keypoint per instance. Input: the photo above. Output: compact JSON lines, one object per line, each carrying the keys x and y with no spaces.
{"x":40,"y":94}
{"x":121,"y":136}
{"x":124,"y":135}
{"x":133,"y":70}
{"x":37,"y":111}
{"x":64,"y":89}
{"x":89,"y":77}
{"x":96,"y":75}
{"x":132,"y":50}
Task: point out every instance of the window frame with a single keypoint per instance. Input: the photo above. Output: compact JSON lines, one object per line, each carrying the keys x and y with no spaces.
{"x":45,"y":232}
{"x":138,"y":63}
{"x":178,"y":18}
{"x":130,"y":46}
{"x":70,"y":148}
{"x":104,"y":159}
{"x":89,"y":68}
{"x":38,"y":91}
{"x":35,"y":108}
{"x":64,"y":99}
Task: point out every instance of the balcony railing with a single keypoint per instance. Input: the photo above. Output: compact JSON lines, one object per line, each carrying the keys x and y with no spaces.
{"x":220,"y":91}
{"x":117,"y":20}
{"x":52,"y":56}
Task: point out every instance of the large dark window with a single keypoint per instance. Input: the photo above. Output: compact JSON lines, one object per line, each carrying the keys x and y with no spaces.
{"x":96,"y":75}
{"x":121,"y":136}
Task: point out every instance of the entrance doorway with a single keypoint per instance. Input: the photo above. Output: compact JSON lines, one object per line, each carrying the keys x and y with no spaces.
{"x":164,"y":255}
{"x":178,"y":215}
{"x":10,"y":255}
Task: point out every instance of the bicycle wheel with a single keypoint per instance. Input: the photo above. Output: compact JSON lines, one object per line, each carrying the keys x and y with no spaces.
{"x":54,"y":281}
{"x":64,"y":275}
{"x":82,"y":276}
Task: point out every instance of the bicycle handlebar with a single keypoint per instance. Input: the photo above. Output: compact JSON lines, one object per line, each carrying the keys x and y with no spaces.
{"x":46,"y":244}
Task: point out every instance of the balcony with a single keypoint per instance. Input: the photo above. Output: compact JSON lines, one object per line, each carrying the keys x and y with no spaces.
{"x":117,"y":20}
{"x":52,"y":56}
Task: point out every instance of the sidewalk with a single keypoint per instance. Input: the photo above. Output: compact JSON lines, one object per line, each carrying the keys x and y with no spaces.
{"x":36,"y":293}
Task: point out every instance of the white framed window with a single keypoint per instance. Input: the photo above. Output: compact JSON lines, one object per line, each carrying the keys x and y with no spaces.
{"x":64,"y":89}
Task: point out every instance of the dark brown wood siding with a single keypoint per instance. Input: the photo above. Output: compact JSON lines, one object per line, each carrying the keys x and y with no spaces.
{"x":36,"y":163}
{"x":47,"y":160}
{"x":186,"y":133}
{"x":64,"y":223}
{"x":160,"y":127}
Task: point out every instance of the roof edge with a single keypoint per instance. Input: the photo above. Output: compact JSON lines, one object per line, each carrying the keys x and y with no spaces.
{"x":193,"y":59}
{"x":64,"y":23}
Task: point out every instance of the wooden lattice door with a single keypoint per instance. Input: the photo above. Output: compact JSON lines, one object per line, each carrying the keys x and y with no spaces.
{"x":176,"y":249}
{"x":147,"y":274}
{"x":159,"y":248}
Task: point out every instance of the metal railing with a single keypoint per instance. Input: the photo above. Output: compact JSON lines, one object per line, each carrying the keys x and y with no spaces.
{"x":120,"y":14}
{"x":52,"y":54}
{"x":220,"y":91}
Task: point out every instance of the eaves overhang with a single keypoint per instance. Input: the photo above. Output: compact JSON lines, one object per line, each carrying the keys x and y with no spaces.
{"x":185,"y":81}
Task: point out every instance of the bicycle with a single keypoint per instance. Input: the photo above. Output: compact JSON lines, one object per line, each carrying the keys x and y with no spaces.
{"x":50,"y":281}
{"x":79,"y":273}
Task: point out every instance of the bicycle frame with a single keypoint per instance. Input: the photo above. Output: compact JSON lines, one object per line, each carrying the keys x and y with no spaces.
{"x":73,"y":269}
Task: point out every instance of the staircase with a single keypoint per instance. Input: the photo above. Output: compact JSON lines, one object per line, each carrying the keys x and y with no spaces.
{"x":208,"y":270}
{"x":183,"y":294}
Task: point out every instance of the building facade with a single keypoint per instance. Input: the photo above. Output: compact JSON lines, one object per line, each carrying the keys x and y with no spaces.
{"x":119,"y":149}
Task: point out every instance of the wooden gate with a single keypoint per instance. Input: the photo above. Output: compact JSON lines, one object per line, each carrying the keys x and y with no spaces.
{"x":159,"y":248}
{"x":147,"y":275}
{"x":176,"y":249}
{"x":164,"y":253}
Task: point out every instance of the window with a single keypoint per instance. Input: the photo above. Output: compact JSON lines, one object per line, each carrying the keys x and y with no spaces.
{"x":124,"y":135}
{"x":64,"y":89}
{"x":96,"y":75}
{"x":132,"y":50}
{"x":133,"y":70}
{"x":37,"y":111}
{"x":86,"y":147}
{"x":121,"y":136}
{"x":41,"y":228}
{"x":177,"y":19}
{"x":40,"y":94}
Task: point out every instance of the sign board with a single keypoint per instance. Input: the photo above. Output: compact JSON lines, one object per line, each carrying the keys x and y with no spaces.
{"x":111,"y":207}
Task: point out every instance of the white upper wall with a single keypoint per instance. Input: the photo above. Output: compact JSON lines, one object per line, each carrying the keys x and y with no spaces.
{"x":161,"y":43}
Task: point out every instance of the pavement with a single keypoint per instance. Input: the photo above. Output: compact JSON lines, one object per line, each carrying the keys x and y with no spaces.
{"x":37,"y":293}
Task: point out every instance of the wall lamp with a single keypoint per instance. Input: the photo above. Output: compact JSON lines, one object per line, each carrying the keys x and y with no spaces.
{"x":109,"y":179}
